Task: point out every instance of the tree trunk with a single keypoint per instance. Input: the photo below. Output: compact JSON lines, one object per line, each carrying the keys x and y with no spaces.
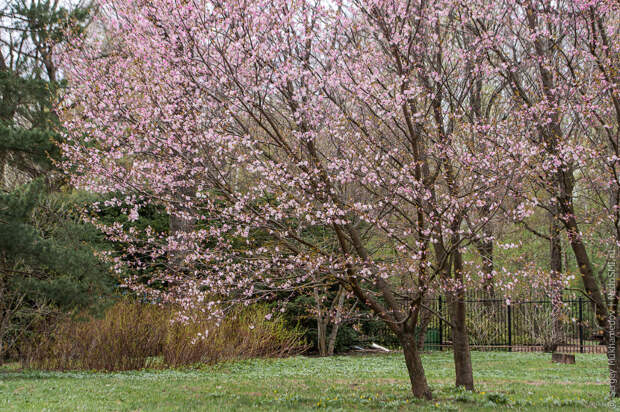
{"x":2,"y":332}
{"x":321,"y":336}
{"x":460,"y":339}
{"x":337,"y":319}
{"x":460,"y":343}
{"x":331,"y":343}
{"x":484,"y":247}
{"x":555,"y":263}
{"x":587,"y":273}
{"x":321,"y":324}
{"x":179,"y":226}
{"x":419,"y":386}
{"x":485,"y":250}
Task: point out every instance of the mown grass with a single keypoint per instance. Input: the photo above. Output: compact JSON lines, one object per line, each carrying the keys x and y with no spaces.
{"x":520,"y":381}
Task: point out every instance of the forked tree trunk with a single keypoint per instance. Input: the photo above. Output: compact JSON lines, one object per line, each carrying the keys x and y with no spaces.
{"x":419,"y":385}
{"x":331,"y":342}
{"x":333,"y":334}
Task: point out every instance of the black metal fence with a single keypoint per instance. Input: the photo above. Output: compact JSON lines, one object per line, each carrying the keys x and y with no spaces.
{"x":524,"y":324}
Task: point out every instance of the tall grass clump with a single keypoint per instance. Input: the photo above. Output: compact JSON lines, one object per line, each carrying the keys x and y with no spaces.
{"x":134,"y":335}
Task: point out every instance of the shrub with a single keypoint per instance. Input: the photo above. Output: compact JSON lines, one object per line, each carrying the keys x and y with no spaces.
{"x":243,"y":334}
{"x":137,"y":335}
{"x":127,"y":337}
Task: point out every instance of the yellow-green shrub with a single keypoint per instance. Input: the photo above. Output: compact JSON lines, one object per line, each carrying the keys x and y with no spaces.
{"x":241,"y":335}
{"x":127,"y":337}
{"x":135,"y":335}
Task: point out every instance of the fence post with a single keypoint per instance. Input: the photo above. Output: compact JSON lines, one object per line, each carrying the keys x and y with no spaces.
{"x":440,"y":323}
{"x":509,"y":327}
{"x":580,"y":324}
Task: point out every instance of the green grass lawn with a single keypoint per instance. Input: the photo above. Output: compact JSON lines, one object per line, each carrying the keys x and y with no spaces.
{"x":503,"y":380}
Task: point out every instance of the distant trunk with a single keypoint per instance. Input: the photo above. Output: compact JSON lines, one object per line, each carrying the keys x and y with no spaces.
{"x":339,"y":300}
{"x":178,"y":227}
{"x":321,"y":337}
{"x":321,"y":323}
{"x":179,"y":224}
{"x":484,"y":246}
{"x":485,"y":250}
{"x":3,"y":161}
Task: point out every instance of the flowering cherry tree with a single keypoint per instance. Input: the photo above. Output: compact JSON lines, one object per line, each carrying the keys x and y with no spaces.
{"x":274,"y":118}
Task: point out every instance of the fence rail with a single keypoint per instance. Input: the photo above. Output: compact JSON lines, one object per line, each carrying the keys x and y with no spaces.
{"x":521,"y":325}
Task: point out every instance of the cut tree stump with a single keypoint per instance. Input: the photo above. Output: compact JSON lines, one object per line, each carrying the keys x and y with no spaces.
{"x":563,"y":358}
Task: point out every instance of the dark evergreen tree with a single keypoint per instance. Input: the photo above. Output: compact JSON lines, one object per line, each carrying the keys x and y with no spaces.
{"x":47,"y":260}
